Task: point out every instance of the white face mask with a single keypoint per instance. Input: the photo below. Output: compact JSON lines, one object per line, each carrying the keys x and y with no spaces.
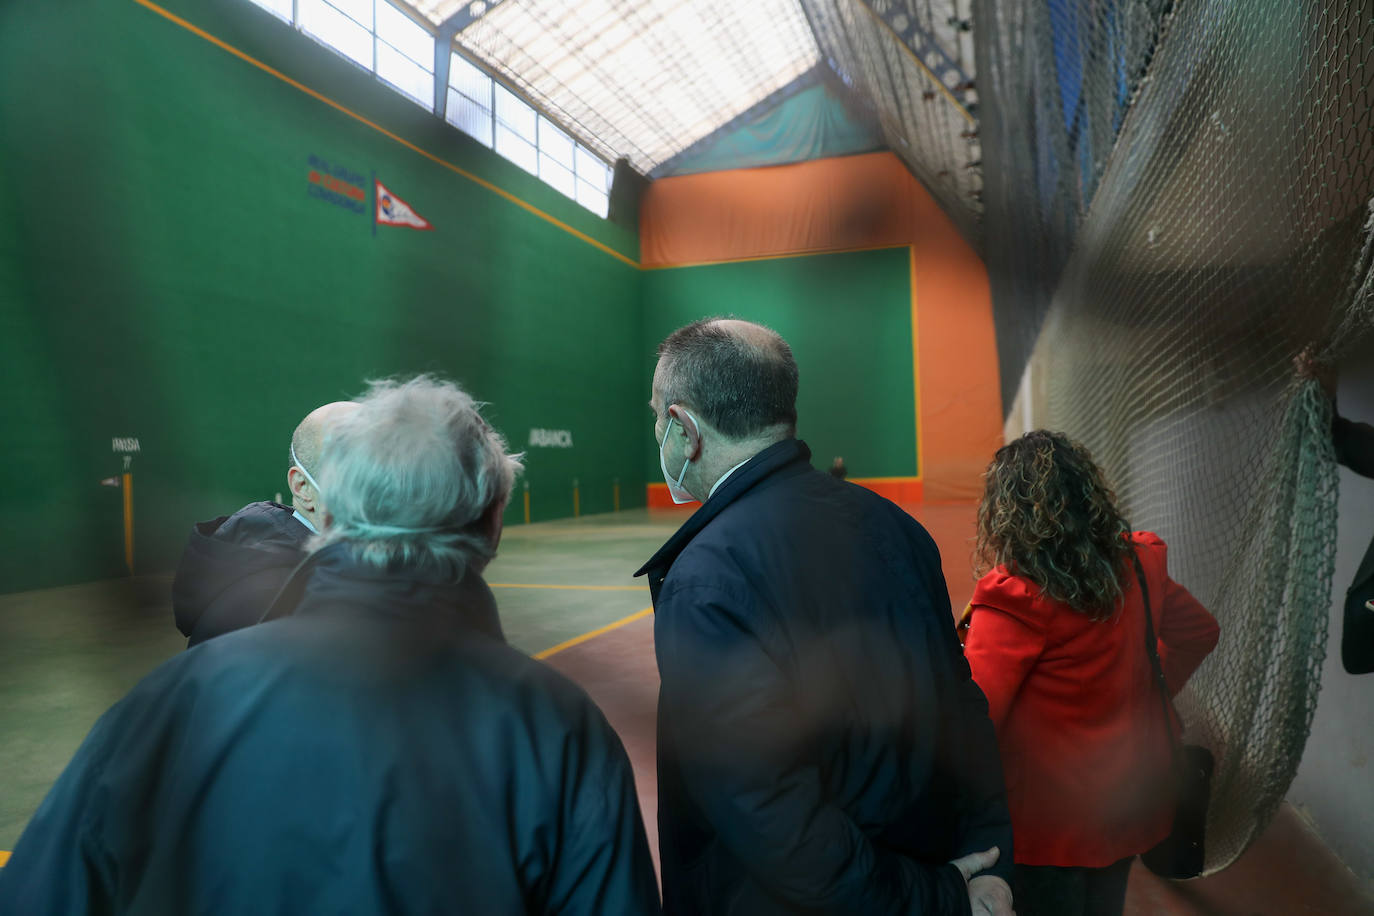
{"x":675,"y":488}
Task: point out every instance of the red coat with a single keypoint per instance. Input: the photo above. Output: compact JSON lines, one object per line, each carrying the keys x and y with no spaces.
{"x":1076,"y":708}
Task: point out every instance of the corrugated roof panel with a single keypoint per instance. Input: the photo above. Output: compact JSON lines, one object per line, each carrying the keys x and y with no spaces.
{"x":642,"y":78}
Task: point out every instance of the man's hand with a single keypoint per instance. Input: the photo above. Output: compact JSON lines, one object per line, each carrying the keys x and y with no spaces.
{"x":1309,"y":366}
{"x":988,"y":895}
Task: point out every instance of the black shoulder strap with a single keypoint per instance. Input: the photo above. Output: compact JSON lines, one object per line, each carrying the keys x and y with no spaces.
{"x":1152,"y":649}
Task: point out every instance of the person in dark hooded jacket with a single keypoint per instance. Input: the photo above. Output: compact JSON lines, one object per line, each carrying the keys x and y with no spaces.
{"x":234,"y":565}
{"x":374,"y":748}
{"x":822,"y":747}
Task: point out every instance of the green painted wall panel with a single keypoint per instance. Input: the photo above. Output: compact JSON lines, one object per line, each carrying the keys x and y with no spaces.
{"x":164,"y":274}
{"x":848,"y":318}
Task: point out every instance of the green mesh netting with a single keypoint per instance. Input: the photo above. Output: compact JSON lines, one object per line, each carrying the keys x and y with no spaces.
{"x":1177,"y":203}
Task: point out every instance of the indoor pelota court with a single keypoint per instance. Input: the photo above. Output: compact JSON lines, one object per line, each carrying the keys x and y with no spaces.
{"x":1144,"y":225}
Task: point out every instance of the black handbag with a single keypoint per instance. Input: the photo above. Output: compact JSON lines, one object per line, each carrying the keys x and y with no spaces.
{"x":1180,"y":854}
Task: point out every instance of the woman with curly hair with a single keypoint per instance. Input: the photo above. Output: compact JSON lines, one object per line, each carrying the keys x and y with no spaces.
{"x":1057,"y":643}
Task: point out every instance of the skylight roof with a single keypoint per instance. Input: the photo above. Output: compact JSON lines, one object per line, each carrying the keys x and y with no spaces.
{"x":642,"y":79}
{"x":436,"y":11}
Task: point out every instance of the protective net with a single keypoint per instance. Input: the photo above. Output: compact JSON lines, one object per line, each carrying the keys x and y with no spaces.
{"x":1178,"y":203}
{"x":912,"y":60}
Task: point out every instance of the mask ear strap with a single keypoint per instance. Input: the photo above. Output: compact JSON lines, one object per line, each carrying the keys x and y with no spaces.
{"x":308,"y":476}
{"x":695,"y":424}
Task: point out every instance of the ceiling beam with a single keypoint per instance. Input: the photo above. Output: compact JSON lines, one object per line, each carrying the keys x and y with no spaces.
{"x":929,"y":53}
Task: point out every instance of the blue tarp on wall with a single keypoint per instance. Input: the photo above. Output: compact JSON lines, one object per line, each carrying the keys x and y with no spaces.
{"x":813,"y":123}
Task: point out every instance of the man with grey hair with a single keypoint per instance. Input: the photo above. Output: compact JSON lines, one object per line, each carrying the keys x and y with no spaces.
{"x":233,"y":565}
{"x":378,"y":748}
{"x":822,"y":747}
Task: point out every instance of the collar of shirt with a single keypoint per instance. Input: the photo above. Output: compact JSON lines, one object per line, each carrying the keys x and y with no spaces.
{"x":726,"y":476}
{"x":296,"y":514}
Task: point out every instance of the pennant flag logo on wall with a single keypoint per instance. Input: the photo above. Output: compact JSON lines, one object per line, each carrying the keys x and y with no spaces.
{"x":392,"y":211}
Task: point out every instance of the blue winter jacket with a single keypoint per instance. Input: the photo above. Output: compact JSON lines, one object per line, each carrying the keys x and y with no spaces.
{"x":380,"y":751}
{"x":821,"y":745}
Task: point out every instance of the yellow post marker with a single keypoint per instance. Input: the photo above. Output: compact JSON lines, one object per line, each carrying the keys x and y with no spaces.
{"x":527,"y":502}
{"x":577,"y":503}
{"x":127,"y":447}
{"x":129,"y":521}
{"x":615,"y":494}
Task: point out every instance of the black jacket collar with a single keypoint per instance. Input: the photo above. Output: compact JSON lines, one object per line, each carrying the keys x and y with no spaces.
{"x":330,"y":581}
{"x":780,"y":459}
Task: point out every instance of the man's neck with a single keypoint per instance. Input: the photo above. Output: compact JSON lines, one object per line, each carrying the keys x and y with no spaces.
{"x":733,"y":455}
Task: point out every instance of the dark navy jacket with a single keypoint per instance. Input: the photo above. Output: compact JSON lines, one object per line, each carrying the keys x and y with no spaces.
{"x":821,"y":746}
{"x":1354,"y":443}
{"x":381,"y":751}
{"x":232,"y":568}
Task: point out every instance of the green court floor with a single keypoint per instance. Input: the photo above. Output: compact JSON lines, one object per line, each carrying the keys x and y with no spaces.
{"x":67,"y":654}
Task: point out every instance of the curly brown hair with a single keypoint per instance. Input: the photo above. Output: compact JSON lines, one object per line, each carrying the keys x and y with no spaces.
{"x":1048,"y":516}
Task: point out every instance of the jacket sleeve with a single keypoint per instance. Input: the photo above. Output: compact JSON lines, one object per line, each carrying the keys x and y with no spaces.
{"x":1187,"y":635}
{"x":1354,"y":443}
{"x":60,"y":866}
{"x":603,"y":862}
{"x":1002,"y":646}
{"x":747,"y":764}
{"x":984,"y":820}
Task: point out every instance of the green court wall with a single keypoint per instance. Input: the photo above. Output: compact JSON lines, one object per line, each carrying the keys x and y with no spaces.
{"x":165,"y":275}
{"x":847,"y":316}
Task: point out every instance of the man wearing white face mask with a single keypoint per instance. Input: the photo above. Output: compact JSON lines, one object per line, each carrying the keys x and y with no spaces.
{"x":822,"y":747}
{"x":233,"y":565}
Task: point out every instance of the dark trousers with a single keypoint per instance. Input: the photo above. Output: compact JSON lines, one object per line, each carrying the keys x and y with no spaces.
{"x":1047,"y":890}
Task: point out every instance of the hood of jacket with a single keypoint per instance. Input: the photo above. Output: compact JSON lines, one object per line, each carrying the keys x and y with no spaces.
{"x":260,"y":539}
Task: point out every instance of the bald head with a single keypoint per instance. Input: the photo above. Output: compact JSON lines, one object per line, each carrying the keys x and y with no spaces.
{"x":740,"y":376}
{"x":306,"y":444}
{"x":308,"y":439}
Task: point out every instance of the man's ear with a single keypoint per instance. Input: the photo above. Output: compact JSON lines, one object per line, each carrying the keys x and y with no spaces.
{"x":490,"y":524}
{"x":492,"y":521}
{"x":689,"y":429}
{"x":300,"y":487}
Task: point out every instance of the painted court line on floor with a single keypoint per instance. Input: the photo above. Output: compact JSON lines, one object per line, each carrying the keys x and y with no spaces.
{"x":576,"y":640}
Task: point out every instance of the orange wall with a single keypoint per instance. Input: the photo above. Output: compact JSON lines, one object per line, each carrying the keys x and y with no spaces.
{"x":851,"y":202}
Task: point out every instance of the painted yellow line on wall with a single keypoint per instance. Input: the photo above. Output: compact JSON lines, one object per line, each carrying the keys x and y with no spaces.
{"x":219,"y":43}
{"x":4,"y":857}
{"x":574,"y":588}
{"x":791,"y":253}
{"x":578,"y":640}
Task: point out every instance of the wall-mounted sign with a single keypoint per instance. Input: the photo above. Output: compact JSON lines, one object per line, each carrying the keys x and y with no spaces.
{"x":392,"y":211}
{"x":124,"y":444}
{"x":336,"y":184}
{"x":551,"y":438}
